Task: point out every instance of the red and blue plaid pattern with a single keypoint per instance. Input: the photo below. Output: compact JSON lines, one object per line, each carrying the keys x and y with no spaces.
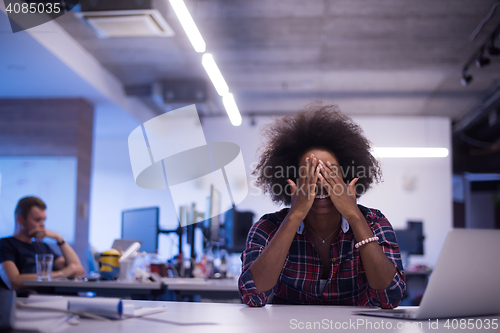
{"x":299,"y":281}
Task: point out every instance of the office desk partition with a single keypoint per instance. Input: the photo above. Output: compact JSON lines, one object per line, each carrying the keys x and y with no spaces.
{"x":133,"y":290}
{"x":211,"y":288}
{"x":215,"y":317}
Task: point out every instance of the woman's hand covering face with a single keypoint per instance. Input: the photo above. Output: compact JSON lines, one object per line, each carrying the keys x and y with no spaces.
{"x":343,"y":196}
{"x":304,"y":192}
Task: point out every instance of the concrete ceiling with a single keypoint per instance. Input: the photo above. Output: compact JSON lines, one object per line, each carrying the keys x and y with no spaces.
{"x":377,"y":57}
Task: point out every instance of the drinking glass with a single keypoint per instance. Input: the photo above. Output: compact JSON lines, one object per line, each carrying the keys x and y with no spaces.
{"x":44,"y":266}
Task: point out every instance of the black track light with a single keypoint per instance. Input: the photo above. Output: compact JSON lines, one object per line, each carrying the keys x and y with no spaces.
{"x":481,"y":56}
{"x":482,"y":61}
{"x":466,"y":79}
{"x":493,"y":50}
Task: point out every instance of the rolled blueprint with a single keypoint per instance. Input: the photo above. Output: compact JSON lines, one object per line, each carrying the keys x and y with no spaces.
{"x":105,"y":307}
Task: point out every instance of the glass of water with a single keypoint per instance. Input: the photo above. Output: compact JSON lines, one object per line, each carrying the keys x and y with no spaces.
{"x":44,"y":266}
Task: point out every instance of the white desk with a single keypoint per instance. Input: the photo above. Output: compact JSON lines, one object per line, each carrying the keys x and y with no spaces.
{"x":211,"y":288}
{"x":101,"y":288}
{"x":271,"y":318}
{"x":201,"y":284}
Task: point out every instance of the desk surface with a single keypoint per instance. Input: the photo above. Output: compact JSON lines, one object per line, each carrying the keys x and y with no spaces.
{"x":216,"y":317}
{"x":94,"y":284}
{"x":199,"y":284}
{"x":171,"y":283}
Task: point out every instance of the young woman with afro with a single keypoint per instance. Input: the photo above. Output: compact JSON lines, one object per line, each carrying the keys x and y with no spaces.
{"x":324,"y":248}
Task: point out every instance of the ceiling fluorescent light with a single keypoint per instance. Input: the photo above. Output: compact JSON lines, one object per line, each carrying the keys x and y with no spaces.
{"x":408,"y":152}
{"x":189,"y":26}
{"x":232,"y":109}
{"x":214,"y":74}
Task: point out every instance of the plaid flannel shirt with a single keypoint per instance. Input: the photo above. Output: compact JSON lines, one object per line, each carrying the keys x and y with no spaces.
{"x":299,"y":281}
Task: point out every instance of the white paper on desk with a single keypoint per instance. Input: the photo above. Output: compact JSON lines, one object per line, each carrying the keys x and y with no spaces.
{"x":101,"y":306}
{"x":130,"y":310}
{"x":43,"y":321}
{"x":56,"y":304}
{"x":43,"y":298}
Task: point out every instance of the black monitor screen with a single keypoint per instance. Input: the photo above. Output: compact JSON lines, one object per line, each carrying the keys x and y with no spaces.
{"x":411,"y":239}
{"x":142,"y":225}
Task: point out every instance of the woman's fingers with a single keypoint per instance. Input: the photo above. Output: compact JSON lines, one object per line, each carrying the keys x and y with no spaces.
{"x":352,"y":186}
{"x":312,"y":182}
{"x":335,"y":173}
{"x":293,"y":187}
{"x":312,"y":167}
{"x":326,"y":178}
{"x":314,"y":175}
{"x":305,"y":185}
{"x":332,"y":176}
{"x":326,"y":172}
{"x":302,"y":179}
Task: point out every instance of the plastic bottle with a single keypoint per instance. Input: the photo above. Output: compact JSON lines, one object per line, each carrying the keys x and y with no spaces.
{"x":223,"y":267}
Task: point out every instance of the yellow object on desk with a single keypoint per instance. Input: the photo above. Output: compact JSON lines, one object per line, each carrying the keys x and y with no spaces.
{"x":110,"y":267}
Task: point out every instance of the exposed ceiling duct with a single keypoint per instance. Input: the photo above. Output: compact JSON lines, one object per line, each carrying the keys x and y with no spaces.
{"x":166,"y":95}
{"x":126,"y":18}
{"x":476,"y":136}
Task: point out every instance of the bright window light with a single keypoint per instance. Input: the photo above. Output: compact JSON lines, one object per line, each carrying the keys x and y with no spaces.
{"x":232,"y":109}
{"x":214,"y":74}
{"x":408,"y":152}
{"x":189,"y":26}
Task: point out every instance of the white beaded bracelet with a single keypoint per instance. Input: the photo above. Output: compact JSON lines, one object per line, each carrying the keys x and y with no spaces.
{"x":366,"y":241}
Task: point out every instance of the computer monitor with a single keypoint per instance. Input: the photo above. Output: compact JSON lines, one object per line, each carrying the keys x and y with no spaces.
{"x":214,"y":211}
{"x":237,"y":225}
{"x":143,"y":225}
{"x":411,"y":239}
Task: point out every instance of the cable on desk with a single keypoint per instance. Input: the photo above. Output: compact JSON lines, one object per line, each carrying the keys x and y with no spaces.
{"x":100,"y":318}
{"x":79,"y":313}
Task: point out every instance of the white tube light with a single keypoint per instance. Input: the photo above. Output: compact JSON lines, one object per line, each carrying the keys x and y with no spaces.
{"x":408,"y":152}
{"x":189,"y":26}
{"x":232,"y":109}
{"x":214,"y":74}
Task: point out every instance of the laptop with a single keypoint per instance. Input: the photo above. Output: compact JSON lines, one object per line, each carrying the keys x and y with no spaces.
{"x":465,"y":281}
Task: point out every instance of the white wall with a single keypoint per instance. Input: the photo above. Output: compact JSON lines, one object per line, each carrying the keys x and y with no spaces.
{"x":51,"y":178}
{"x":113,"y":188}
{"x":248,"y":137}
{"x":431,"y":199}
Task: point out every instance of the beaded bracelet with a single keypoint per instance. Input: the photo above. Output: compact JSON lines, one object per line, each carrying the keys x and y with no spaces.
{"x":366,"y":241}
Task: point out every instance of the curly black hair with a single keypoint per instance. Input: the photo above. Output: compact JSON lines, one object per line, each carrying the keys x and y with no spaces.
{"x":316,"y":126}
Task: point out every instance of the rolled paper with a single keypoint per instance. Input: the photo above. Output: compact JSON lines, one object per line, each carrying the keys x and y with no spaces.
{"x":106,"y":307}
{"x":101,"y":306}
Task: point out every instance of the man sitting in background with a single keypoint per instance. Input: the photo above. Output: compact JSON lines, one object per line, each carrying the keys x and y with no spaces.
{"x":17,"y":253}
